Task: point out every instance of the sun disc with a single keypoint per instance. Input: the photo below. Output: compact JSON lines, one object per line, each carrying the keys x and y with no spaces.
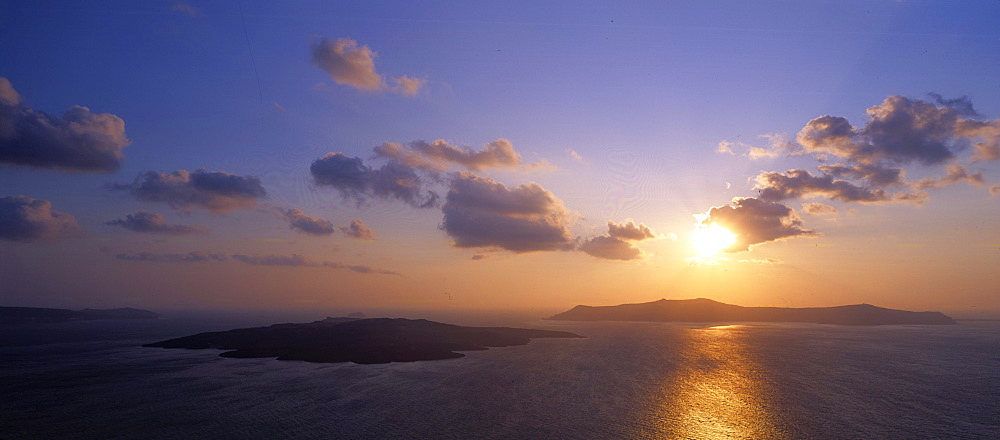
{"x":710,"y":240}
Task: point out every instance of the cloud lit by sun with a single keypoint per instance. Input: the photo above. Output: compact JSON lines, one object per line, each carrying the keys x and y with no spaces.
{"x":711,"y":239}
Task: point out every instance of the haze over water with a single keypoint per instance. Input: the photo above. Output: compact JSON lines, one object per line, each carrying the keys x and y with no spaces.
{"x":626,"y":380}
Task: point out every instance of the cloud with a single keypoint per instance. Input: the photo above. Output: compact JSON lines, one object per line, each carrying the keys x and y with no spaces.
{"x":576,"y":156}
{"x":481,"y":212}
{"x":190,"y":257}
{"x":301,"y":222}
{"x":988,"y":135}
{"x":354,"y":179}
{"x":296,"y":260}
{"x":962,"y":104}
{"x":955,"y":174}
{"x":359,"y":230}
{"x":768,"y":261}
{"x":409,"y":86}
{"x":995,"y":190}
{"x":875,"y":175}
{"x":352,"y":65}
{"x":184,"y":8}
{"x":27,"y":219}
{"x":819,"y":209}
{"x":903,"y":130}
{"x":617,"y":244}
{"x":437,"y":155}
{"x":151,"y":222}
{"x":216,"y":191}
{"x":478,"y":257}
{"x":78,"y":140}
{"x":293,"y":260}
{"x":775,"y":186}
{"x":777,"y":145}
{"x":755,"y":221}
{"x":727,"y":147}
{"x":611,"y":248}
{"x":629,"y":231}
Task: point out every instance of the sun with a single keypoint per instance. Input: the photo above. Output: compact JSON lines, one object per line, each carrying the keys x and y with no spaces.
{"x":710,"y":240}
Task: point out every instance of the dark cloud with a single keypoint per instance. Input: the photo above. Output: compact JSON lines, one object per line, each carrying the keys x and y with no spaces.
{"x":299,"y":221}
{"x":903,"y":130}
{"x":478,"y":257}
{"x":755,"y":221}
{"x":481,"y":212}
{"x":296,"y":260}
{"x":354,"y":179}
{"x":617,"y":243}
{"x":359,"y":230}
{"x":819,"y":209}
{"x":438,"y":154}
{"x":190,"y":257}
{"x":27,"y":219}
{"x":962,"y":104}
{"x":151,"y":222}
{"x":793,"y":184}
{"x":216,"y":191}
{"x":76,"y":141}
{"x":352,"y":65}
{"x":874,"y":174}
{"x":611,"y":248}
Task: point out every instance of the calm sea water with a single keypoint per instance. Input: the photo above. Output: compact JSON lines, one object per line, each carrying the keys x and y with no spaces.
{"x":92,"y":380}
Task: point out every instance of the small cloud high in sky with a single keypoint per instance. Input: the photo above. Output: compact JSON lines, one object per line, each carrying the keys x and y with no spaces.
{"x":282,"y":156}
{"x":351,"y":64}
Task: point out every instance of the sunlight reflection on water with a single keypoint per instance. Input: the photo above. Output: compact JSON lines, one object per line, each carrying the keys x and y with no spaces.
{"x":718,"y":392}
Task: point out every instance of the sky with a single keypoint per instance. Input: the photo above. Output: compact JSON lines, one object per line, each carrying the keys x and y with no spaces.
{"x":523,"y":155}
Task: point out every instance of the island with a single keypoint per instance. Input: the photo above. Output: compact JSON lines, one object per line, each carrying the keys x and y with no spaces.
{"x":38,"y":315}
{"x":362,"y":341}
{"x":706,"y":310}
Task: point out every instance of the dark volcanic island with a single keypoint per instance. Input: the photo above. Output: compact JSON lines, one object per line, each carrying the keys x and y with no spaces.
{"x":706,"y":310}
{"x":362,"y":341}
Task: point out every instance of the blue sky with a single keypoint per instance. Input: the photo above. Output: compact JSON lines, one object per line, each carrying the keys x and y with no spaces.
{"x":625,"y":105}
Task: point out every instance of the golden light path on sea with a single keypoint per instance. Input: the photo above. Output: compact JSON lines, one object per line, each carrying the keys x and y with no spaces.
{"x":718,"y":393}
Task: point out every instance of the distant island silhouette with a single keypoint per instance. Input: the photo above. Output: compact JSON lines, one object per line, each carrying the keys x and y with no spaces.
{"x":706,"y":310}
{"x":38,"y":315}
{"x":362,"y":341}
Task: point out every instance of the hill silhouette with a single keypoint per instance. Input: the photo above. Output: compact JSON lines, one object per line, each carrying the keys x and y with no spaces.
{"x":706,"y":310}
{"x":362,"y":341}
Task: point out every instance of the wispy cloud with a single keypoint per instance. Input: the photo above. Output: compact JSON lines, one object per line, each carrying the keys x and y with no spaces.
{"x":154,"y":223}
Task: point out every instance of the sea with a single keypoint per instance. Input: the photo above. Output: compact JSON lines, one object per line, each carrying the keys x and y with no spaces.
{"x":625,"y":380}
